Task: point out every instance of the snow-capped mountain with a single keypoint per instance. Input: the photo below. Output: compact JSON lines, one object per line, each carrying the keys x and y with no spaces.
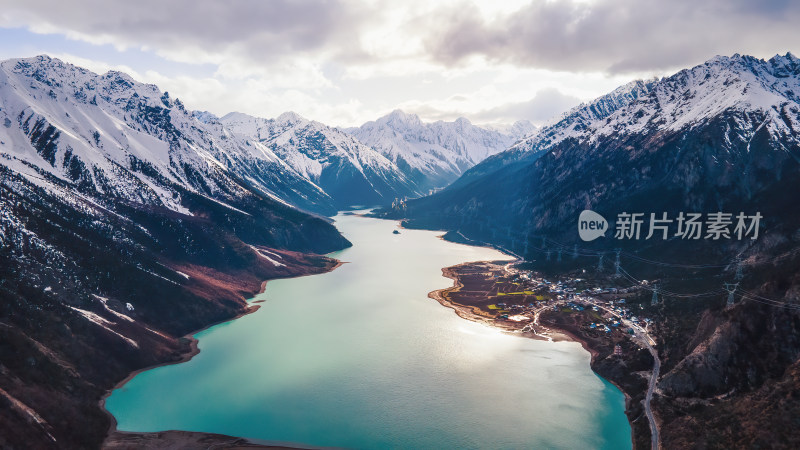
{"x":350,"y":172}
{"x":434,"y":154}
{"x":726,"y":132}
{"x":205,"y":116}
{"x":684,"y":101}
{"x":125,"y":223}
{"x":722,"y":137}
{"x":570,"y":124}
{"x":114,"y":136}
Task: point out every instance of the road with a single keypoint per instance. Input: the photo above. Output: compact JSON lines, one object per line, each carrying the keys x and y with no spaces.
{"x":649,"y":396}
{"x":648,"y":341}
{"x":536,"y":313}
{"x":642,"y":334}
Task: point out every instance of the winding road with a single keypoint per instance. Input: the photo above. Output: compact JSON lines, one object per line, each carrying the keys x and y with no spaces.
{"x":642,"y":334}
{"x":649,"y":396}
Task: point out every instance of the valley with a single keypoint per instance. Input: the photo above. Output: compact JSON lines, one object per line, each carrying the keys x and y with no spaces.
{"x":128,"y":221}
{"x":130,"y":224}
{"x":372,"y":362}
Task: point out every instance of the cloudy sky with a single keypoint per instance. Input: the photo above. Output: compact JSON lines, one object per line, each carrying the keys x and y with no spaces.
{"x":345,"y":62}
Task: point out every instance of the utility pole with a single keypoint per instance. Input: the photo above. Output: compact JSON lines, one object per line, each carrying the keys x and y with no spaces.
{"x":739,"y":273}
{"x":654,"y":301}
{"x":575,"y":251}
{"x":616,"y":263}
{"x":600,"y":263}
{"x":731,"y":288}
{"x":548,"y":254}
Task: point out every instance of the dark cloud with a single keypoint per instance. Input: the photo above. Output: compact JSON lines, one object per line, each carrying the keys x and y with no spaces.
{"x":618,"y":35}
{"x":256,"y":29}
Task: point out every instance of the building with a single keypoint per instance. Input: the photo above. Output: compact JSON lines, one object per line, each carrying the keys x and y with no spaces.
{"x":617,"y":350}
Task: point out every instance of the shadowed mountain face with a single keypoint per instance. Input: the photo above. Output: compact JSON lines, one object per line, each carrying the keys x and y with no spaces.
{"x":124,"y":224}
{"x":720,"y":137}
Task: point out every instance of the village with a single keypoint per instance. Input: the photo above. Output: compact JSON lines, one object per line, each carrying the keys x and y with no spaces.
{"x":518,"y":300}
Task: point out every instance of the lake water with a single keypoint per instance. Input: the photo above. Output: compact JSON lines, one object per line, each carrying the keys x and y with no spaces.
{"x":361,"y":358}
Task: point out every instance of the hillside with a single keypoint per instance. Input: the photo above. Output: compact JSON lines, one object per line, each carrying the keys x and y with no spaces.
{"x":723,"y":136}
{"x":124,"y":224}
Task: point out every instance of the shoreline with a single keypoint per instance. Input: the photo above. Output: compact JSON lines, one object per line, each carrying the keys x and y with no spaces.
{"x":557,"y":334}
{"x":468,"y":312}
{"x":594,"y":354}
{"x":116,"y":437}
{"x":193,"y":351}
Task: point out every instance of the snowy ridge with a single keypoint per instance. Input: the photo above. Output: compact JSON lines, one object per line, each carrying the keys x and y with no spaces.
{"x":578,"y":120}
{"x":738,"y":86}
{"x":325,"y":156}
{"x":111,"y":135}
{"x":436,"y":153}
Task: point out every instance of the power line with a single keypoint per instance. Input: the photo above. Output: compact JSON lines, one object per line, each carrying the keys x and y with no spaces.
{"x":663,"y":292}
{"x":585,"y":252}
{"x":729,"y":288}
{"x":768,"y":301}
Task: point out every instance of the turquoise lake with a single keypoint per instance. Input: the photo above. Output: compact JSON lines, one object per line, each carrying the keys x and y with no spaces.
{"x":361,"y":358}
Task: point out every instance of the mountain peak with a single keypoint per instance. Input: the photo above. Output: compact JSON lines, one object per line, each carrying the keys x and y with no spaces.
{"x":399,"y":116}
{"x":36,"y":64}
{"x":784,"y":66}
{"x":236,"y":116}
{"x":39,"y":59}
{"x":116,"y":74}
{"x":433,"y":154}
{"x":205,"y":117}
{"x":399,"y":113}
{"x":290,"y":117}
{"x":779,"y":66}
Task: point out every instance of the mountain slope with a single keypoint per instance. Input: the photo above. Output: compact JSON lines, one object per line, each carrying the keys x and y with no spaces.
{"x":435,"y":154}
{"x":723,"y":136}
{"x":572,"y":124}
{"x":350,"y":172}
{"x":731,"y":123}
{"x":113,"y":135}
{"x":121,"y":230}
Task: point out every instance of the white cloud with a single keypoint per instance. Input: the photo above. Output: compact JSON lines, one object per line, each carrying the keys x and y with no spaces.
{"x":345,"y":61}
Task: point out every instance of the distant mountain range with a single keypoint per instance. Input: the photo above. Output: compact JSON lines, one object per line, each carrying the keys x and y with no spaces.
{"x":111,"y":135}
{"x":434,"y":154}
{"x":347,"y":170}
